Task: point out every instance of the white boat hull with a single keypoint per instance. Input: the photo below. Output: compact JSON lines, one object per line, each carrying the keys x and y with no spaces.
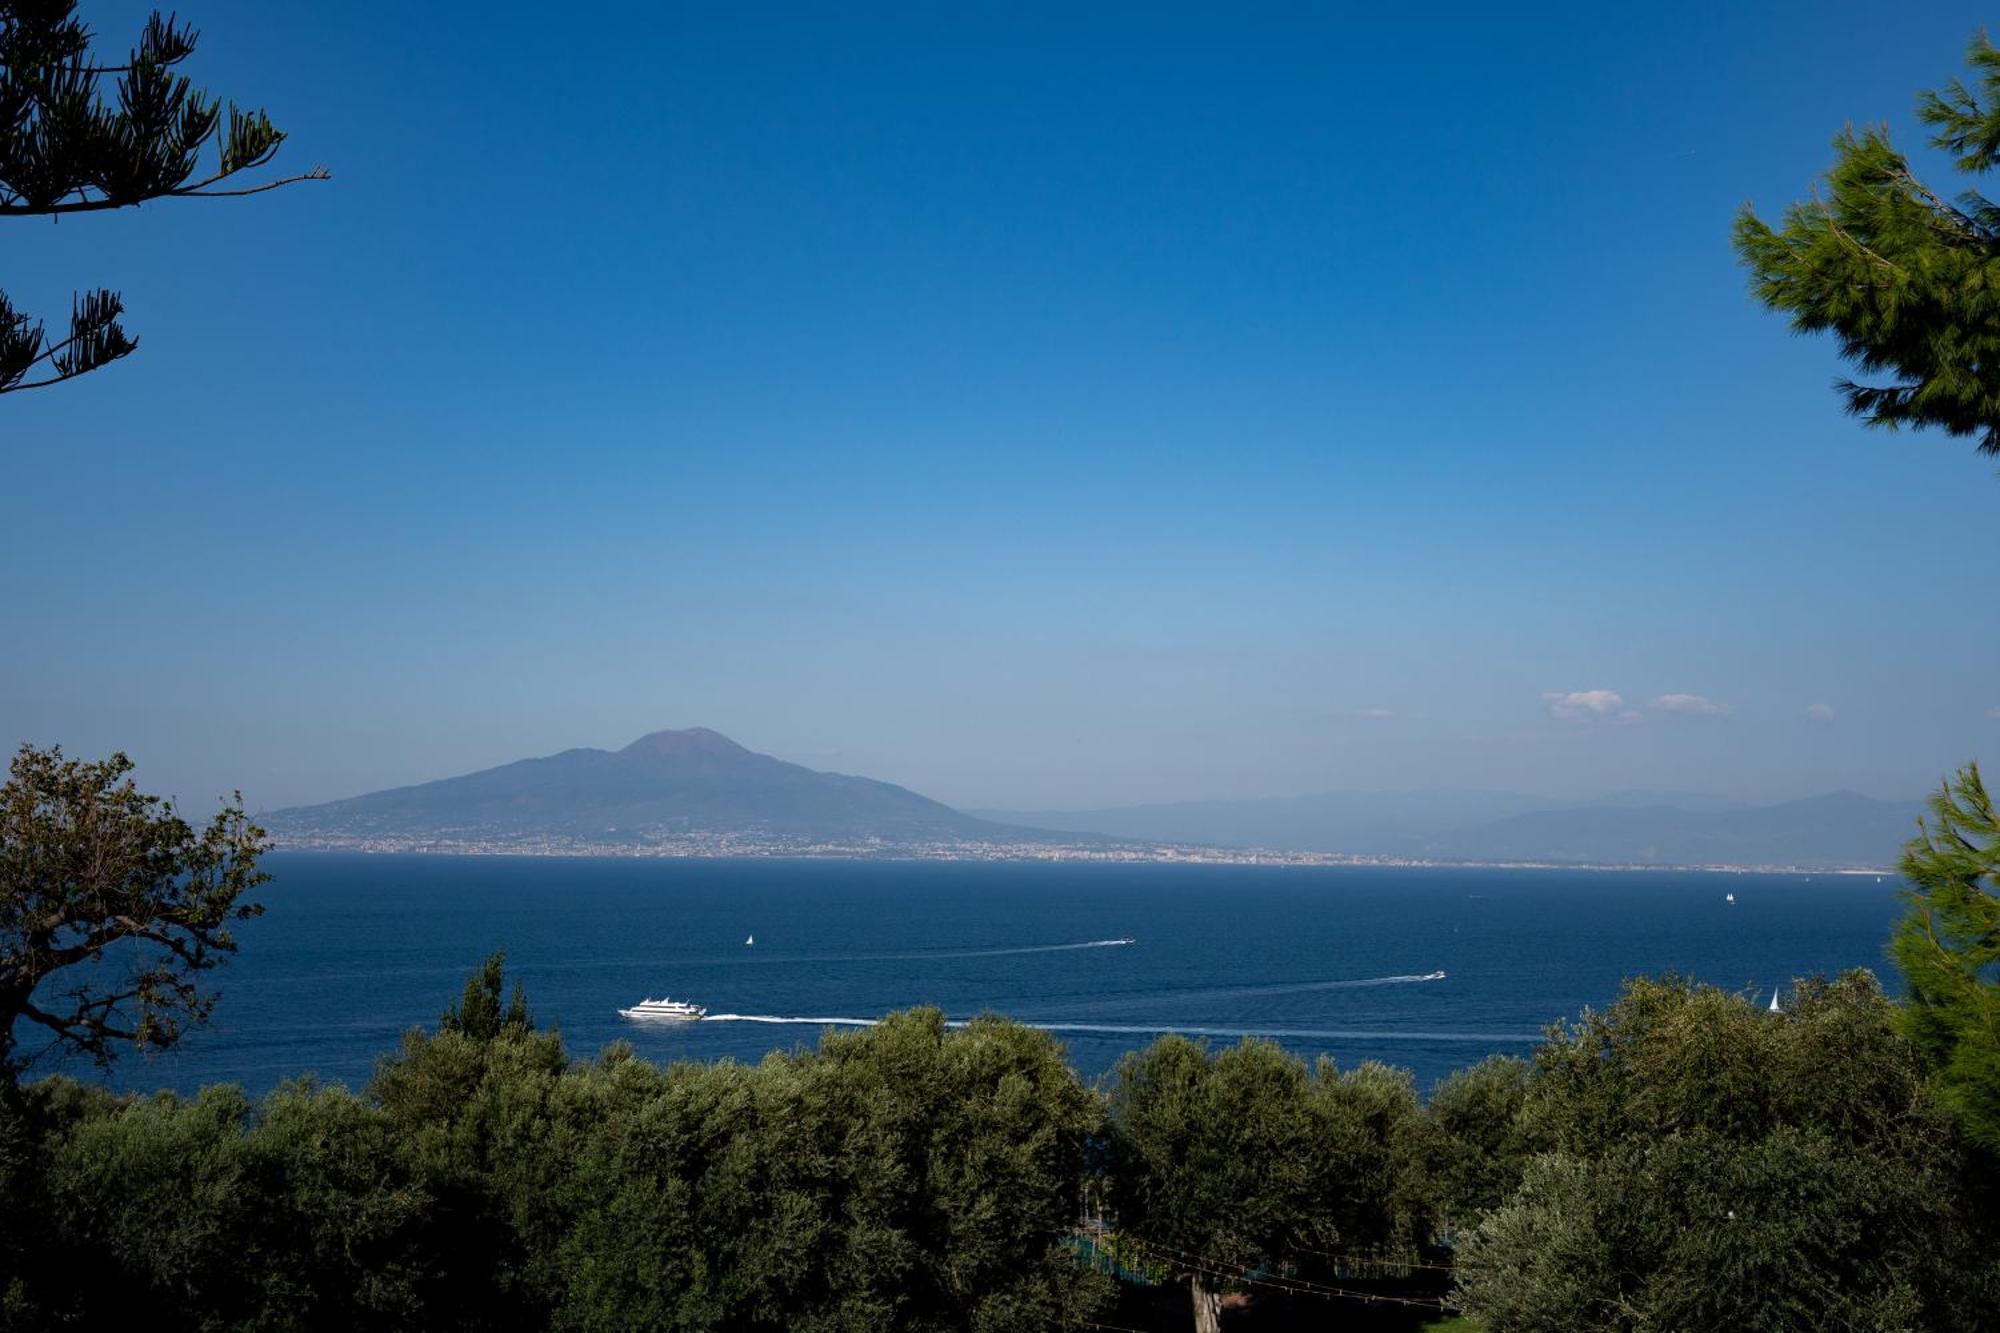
{"x":664,"y":1011}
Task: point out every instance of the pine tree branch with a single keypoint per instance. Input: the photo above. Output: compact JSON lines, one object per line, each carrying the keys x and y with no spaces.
{"x":1965,"y":226}
{"x":46,"y":354}
{"x":1840,"y":234}
{"x":198,"y":190}
{"x":43,"y":384}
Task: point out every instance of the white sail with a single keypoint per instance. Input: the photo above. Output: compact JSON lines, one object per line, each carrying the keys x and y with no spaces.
{"x":1774,"y":1001}
{"x":750,"y":940}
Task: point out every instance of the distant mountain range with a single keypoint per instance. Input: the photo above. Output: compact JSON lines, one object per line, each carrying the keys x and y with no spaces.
{"x":1838,"y":829}
{"x":1366,"y":823}
{"x":1624,"y":828}
{"x":704,"y":792}
{"x":671,"y":784}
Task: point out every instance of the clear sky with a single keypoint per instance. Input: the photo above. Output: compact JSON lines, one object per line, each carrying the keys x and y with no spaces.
{"x":1030,"y":408}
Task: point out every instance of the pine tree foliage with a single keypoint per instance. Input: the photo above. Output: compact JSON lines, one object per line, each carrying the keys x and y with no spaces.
{"x":69,"y":146}
{"x":1907,"y":281}
{"x":478,"y":1013}
{"x":1948,"y":947}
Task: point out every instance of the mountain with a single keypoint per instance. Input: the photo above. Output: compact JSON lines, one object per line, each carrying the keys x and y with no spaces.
{"x":1838,"y":829}
{"x":1384,"y":823}
{"x":671,"y":784}
{"x":698,"y":784}
{"x":1622,"y":828}
{"x":1678,"y":800}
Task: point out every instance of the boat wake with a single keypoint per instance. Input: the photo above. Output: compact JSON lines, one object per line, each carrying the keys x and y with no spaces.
{"x":1063,"y":1025}
{"x":1114,"y":1002}
{"x":1304,"y":1034}
{"x":1024,"y":948}
{"x":799,"y":1022}
{"x":763,"y":955}
{"x":1161,"y":1029}
{"x":923,"y":955}
{"x":1300,"y":987}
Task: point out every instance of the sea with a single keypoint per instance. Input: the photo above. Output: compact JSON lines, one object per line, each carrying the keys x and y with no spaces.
{"x":354,"y":950}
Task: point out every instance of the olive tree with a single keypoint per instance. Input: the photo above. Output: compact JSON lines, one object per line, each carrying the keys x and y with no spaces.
{"x":1225,"y":1161}
{"x":1714,"y":1165}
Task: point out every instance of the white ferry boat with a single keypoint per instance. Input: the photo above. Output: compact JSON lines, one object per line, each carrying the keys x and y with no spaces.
{"x":679,"y":1010}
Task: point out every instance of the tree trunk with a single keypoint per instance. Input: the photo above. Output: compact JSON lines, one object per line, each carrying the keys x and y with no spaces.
{"x":1207,"y":1306}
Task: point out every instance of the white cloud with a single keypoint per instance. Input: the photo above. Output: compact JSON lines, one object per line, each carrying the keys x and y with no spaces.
{"x":1588,"y":706}
{"x":1375,"y":714}
{"x":1689,"y":705}
{"x":1819,"y":712}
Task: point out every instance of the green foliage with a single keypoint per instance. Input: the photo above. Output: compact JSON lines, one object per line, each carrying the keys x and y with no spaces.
{"x":1477,"y":1140}
{"x":90,"y":869}
{"x":1379,"y":1200}
{"x":208,"y":1213}
{"x":1672,"y":1054}
{"x":1907,"y":282}
{"x":1218,"y":1152}
{"x":1717,"y":1166}
{"x":478,"y":1014}
{"x":466,"y":1107}
{"x":1683,"y":1160}
{"x":1244,"y":1157}
{"x":67,"y":148}
{"x":905,"y":1176}
{"x":1948,"y":946}
{"x":908,"y":1176}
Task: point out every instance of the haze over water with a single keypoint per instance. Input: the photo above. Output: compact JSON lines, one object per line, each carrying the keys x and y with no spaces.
{"x":354,"y":950}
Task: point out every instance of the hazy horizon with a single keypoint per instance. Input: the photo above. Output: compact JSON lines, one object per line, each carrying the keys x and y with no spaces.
{"x":1037,"y":410}
{"x":1664,"y":795}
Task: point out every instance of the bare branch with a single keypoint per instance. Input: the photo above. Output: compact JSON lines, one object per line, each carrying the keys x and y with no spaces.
{"x":199,"y":190}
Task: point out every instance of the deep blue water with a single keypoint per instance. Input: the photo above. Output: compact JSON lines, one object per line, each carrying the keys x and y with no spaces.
{"x":355,"y":949}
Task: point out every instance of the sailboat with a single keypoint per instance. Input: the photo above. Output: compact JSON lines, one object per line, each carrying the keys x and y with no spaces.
{"x":1774,"y":1001}
{"x":750,"y":941}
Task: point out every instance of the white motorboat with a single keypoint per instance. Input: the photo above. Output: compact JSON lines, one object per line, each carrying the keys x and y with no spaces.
{"x":675,"y":1010}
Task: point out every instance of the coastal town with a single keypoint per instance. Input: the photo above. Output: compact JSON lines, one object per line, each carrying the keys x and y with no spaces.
{"x":751,"y":844}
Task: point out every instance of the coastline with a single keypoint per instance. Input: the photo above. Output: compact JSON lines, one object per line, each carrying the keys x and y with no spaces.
{"x":724,"y":847}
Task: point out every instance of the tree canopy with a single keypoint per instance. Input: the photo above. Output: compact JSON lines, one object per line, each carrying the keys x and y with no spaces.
{"x":67,"y":148}
{"x":1231,"y":1160}
{"x":1907,"y":280}
{"x":1948,"y":946}
{"x":1683,"y":1160}
{"x":908,"y":1176}
{"x":1712,"y":1165}
{"x":112,"y":907}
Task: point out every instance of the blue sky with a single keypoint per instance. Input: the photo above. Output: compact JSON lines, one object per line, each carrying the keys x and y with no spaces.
{"x":1036,"y":410}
